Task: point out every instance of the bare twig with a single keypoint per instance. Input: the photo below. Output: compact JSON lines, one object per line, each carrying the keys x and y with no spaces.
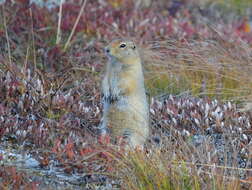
{"x":33,"y":42}
{"x":75,"y":25}
{"x":7,"y":37}
{"x":59,"y":24}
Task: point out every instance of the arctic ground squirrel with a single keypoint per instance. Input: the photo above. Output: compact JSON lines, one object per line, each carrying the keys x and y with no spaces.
{"x":126,"y":111}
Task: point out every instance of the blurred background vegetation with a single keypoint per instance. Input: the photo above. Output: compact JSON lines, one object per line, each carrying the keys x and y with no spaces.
{"x":197,"y":64}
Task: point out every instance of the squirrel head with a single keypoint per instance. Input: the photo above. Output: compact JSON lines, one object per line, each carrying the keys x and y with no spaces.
{"x":123,"y":51}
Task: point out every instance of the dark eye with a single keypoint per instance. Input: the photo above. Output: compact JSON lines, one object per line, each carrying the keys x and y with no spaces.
{"x":134,"y":47}
{"x":122,"y":45}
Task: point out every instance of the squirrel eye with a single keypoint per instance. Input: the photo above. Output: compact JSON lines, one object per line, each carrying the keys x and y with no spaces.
{"x":122,"y":45}
{"x":134,"y":47}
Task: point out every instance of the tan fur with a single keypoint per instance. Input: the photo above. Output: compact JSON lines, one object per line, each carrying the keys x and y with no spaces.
{"x":125,"y":103}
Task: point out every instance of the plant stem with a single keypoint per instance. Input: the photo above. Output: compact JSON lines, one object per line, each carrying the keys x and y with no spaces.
{"x":75,"y":25}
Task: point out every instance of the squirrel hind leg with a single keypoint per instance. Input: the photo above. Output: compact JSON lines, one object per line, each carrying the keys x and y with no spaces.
{"x":136,"y":142}
{"x":132,"y":142}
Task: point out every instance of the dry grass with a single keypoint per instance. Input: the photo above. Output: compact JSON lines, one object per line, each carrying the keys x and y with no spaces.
{"x":64,"y":92}
{"x":213,"y":68}
{"x":178,"y":166}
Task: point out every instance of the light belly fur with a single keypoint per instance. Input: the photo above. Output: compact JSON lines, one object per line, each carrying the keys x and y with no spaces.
{"x":129,"y":117}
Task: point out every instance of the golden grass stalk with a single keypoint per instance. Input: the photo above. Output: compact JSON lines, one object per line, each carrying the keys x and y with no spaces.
{"x":75,"y":25}
{"x":7,"y":36}
{"x":58,"y":38}
{"x":33,"y":42}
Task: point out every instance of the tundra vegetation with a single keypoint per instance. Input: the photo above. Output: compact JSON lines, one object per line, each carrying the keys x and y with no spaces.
{"x":197,"y":62}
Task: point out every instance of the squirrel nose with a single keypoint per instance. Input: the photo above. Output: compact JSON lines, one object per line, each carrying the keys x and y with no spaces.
{"x":107,"y":50}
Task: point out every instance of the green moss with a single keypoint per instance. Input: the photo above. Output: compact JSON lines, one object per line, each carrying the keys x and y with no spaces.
{"x":56,"y":114}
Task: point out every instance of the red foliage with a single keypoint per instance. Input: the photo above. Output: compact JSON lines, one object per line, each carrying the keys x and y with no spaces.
{"x":56,"y":148}
{"x":86,"y":151}
{"x":104,"y":139}
{"x":69,"y":149}
{"x":12,"y":179}
{"x":109,"y":19}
